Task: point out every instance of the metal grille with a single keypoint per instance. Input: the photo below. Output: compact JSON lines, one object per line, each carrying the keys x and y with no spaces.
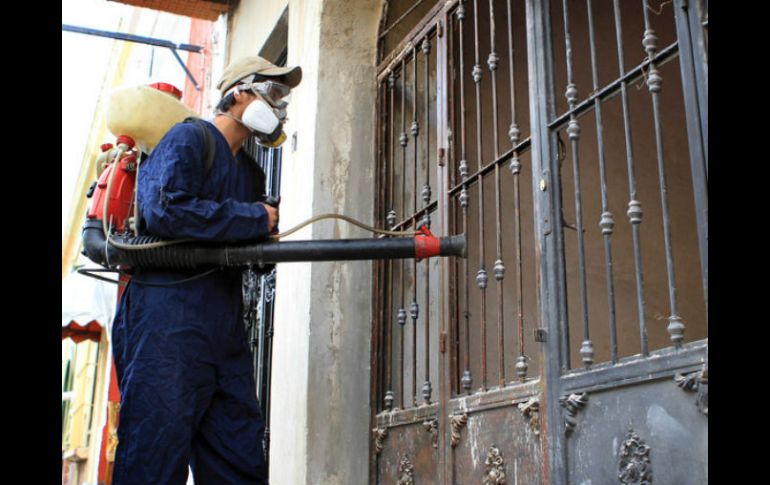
{"x":492,"y":322}
{"x":492,"y":201}
{"x":259,"y":288}
{"x":628,"y":193}
{"x":259,"y":294}
{"x":609,"y":165}
{"x":544,"y":132}
{"x":409,"y":315}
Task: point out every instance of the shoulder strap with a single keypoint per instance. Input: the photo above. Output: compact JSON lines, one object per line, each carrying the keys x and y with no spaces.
{"x":209,"y":148}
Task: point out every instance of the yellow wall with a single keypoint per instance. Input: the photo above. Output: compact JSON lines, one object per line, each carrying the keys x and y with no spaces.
{"x":84,"y":368}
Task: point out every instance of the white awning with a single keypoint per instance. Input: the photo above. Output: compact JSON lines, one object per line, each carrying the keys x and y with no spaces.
{"x":87,"y":304}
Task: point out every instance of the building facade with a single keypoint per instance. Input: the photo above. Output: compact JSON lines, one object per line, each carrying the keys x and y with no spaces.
{"x":569,"y":142}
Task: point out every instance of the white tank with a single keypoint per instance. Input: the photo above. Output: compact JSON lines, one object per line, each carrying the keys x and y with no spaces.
{"x":145,"y":114}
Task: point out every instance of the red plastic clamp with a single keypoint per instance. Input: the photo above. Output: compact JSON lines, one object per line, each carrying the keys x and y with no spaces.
{"x":426,"y":245}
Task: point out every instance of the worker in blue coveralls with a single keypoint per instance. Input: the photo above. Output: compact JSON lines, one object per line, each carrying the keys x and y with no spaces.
{"x":188,"y":395}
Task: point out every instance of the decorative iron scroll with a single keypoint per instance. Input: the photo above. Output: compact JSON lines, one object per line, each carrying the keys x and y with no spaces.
{"x":405,"y":471}
{"x":270,"y":286}
{"x":634,"y":467}
{"x":379,"y":435}
{"x":495,"y":467}
{"x":696,"y":382}
{"x":531,"y":411}
{"x":431,"y":426}
{"x":688,"y":382}
{"x":572,"y":404}
{"x":457,"y":422}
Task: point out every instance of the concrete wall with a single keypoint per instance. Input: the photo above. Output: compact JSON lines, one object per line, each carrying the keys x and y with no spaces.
{"x":289,"y":389}
{"x":320,"y":403}
{"x":341,"y":293}
{"x":320,"y":411}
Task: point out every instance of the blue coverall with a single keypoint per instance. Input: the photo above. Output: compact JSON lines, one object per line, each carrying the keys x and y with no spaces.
{"x":181,"y":354}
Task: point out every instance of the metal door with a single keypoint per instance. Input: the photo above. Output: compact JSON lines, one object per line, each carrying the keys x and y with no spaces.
{"x":571,"y":345}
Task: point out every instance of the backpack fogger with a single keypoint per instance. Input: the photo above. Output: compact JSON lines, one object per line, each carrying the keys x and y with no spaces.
{"x":139,"y":117}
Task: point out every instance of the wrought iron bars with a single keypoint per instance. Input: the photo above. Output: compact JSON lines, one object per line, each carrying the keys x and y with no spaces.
{"x":481,"y":276}
{"x":426,"y":196}
{"x":404,"y":140}
{"x":414,"y":309}
{"x":607,"y":222}
{"x":654,"y":82}
{"x":467,"y":180}
{"x":411,"y":215}
{"x":391,"y":218}
{"x":514,"y":133}
{"x":499,"y":267}
{"x":467,"y":379}
{"x":634,"y":206}
{"x":573,"y":131}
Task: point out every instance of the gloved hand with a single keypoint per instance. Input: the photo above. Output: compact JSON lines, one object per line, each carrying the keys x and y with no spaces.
{"x":271,"y":206}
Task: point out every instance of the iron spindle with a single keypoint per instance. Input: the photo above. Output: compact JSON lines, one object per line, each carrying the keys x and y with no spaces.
{"x":573,"y":130}
{"x":426,"y":387}
{"x":654,"y":82}
{"x":607,"y":222}
{"x":481,"y":276}
{"x":467,"y":379}
{"x":499,"y":268}
{"x":514,"y":133}
{"x":415,"y":309}
{"x":404,"y":141}
{"x":391,"y":218}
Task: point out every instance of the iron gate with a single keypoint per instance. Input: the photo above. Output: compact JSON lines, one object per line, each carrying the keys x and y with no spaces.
{"x":563,"y":349}
{"x":259,"y":294}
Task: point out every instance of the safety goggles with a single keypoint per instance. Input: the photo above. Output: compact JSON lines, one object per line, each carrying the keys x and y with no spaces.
{"x":275,"y":93}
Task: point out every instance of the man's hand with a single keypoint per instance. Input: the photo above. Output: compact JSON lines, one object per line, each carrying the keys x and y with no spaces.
{"x":272,"y":216}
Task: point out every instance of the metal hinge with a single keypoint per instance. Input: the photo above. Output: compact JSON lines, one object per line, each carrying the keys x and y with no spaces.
{"x":442,"y":343}
{"x":441,"y":153}
{"x":541,"y":335}
{"x":440,"y":29}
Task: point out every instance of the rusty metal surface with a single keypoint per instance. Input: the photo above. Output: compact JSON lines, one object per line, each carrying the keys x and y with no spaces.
{"x":495,"y":398}
{"x":389,"y":419}
{"x":508,"y":431}
{"x":413,"y":443}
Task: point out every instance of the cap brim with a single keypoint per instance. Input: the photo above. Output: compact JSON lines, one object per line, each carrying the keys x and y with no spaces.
{"x":291,"y":76}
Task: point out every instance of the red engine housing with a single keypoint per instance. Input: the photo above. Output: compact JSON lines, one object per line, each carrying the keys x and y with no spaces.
{"x":121,"y":203}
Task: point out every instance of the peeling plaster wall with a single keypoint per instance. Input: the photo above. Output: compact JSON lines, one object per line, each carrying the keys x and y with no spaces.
{"x":320,"y":412}
{"x":339,"y":373}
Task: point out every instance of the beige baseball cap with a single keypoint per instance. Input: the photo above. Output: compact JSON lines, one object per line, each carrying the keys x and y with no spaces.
{"x":245,"y":66}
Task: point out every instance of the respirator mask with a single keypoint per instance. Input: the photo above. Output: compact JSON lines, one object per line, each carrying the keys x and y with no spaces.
{"x":266,"y":115}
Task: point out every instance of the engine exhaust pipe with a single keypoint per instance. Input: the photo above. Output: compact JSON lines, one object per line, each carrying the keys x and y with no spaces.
{"x":201,"y":255}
